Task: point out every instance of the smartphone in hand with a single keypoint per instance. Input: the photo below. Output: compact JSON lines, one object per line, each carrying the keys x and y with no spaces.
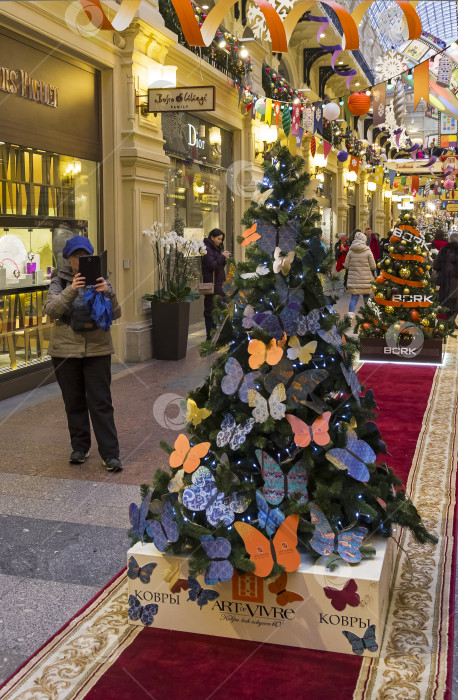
{"x":90,"y":267}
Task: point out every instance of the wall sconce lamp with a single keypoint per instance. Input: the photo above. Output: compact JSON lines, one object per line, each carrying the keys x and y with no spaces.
{"x":350,"y":179}
{"x":158,"y":77}
{"x":371,"y":186}
{"x":265,"y":136}
{"x":388,"y":194}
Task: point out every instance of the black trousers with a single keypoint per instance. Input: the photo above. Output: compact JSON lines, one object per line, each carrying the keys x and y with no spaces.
{"x":85,"y":385}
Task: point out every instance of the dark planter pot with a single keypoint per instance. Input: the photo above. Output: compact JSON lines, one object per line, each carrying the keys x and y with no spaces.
{"x":170,"y":326}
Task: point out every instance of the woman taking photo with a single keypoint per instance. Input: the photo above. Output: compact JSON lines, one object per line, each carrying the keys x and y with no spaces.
{"x":81,"y":356}
{"x":213,"y":263}
{"x":360,"y":264}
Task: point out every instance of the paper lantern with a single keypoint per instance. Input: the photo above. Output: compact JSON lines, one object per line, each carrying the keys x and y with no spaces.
{"x":342,"y":156}
{"x":359,"y":103}
{"x":449,"y":184}
{"x":331,"y":111}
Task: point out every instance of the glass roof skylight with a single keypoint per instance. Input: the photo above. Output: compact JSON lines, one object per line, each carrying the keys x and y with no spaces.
{"x":438,"y":17}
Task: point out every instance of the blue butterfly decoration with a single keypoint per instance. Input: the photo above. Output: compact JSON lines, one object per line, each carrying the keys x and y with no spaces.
{"x":332,"y":336}
{"x":134,"y":570}
{"x":354,"y":456}
{"x":201,"y":595}
{"x":287,"y":294}
{"x":285,"y":237}
{"x":367,"y":641}
{"x":220,"y":569}
{"x":137,"y":517}
{"x":164,"y":531}
{"x":145,"y":613}
{"x":325,"y":542}
{"x":277,"y":484}
{"x":236,"y":380}
{"x":309,"y":323}
{"x":269,"y":518}
{"x":204,"y":495}
{"x":233,"y":434}
{"x":277,"y":325}
{"x":352,"y":381}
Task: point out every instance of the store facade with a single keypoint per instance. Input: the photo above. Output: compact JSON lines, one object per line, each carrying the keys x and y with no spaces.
{"x":50,"y":155}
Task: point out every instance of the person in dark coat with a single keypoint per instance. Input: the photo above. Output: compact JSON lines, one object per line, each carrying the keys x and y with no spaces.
{"x":440,"y":240}
{"x":213,"y":263}
{"x":446,"y":265}
{"x":372,"y":242}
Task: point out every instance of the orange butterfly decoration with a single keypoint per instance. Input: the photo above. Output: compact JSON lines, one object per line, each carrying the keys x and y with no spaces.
{"x":283,"y":550}
{"x":260,"y":352}
{"x":250,"y":235}
{"x":305,"y":434}
{"x":187,"y":456}
{"x":279,"y":588}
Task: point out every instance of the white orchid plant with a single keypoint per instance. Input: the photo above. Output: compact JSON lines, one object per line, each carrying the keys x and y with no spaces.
{"x":174,"y":255}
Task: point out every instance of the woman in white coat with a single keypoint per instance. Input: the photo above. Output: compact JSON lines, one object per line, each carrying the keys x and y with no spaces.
{"x":360,"y":264}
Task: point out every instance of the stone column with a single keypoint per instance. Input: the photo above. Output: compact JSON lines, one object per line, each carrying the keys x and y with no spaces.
{"x":342,"y":204}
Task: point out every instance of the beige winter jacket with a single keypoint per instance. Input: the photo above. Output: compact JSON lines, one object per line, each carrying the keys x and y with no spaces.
{"x":65,"y":342}
{"x":360,"y":263}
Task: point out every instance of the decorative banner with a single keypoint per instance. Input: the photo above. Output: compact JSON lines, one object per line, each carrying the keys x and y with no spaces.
{"x":437,"y":187}
{"x":403,"y":180}
{"x":354,"y":164}
{"x":318,"y":118}
{"x":286,"y":120}
{"x":296,"y":117}
{"x":427,"y":188}
{"x":276,"y":111}
{"x":379,"y":103}
{"x":415,"y":183}
{"x":379,"y":175}
{"x":421,"y":83}
{"x":307,"y":119}
{"x":299,"y":137}
{"x":445,"y":70}
{"x":268,"y":117}
{"x":326,"y":148}
{"x":391,"y":175}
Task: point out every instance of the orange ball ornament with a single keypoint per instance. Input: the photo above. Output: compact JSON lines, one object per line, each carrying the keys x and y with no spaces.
{"x":394,"y":239}
{"x":366,"y":326}
{"x":414,"y":315}
{"x":359,"y":103}
{"x":380,"y":279}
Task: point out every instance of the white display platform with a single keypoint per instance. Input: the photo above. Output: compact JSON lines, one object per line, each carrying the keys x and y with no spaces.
{"x":247,"y":609}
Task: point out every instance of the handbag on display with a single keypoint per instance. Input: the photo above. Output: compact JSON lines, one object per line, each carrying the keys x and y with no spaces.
{"x":205,"y":288}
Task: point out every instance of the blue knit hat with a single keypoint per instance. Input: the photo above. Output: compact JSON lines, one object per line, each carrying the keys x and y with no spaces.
{"x":77,"y":243}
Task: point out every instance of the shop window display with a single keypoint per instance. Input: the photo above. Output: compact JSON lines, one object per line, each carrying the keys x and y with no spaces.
{"x":45,"y":198}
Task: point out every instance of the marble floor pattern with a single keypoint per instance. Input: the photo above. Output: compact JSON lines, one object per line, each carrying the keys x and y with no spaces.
{"x":63,"y":528}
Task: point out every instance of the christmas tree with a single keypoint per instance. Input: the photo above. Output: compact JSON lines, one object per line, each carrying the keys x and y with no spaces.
{"x":281,"y":445}
{"x":405,"y":296}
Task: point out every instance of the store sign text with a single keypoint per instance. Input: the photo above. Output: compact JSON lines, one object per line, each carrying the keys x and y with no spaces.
{"x":193,"y":139}
{"x":22,"y":84}
{"x":191,"y":99}
{"x":412,"y":297}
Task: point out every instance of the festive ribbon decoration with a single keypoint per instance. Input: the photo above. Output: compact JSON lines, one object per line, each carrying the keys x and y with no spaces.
{"x":430,"y":163}
{"x":400,"y":280}
{"x":416,"y":258}
{"x":408,"y":8}
{"x":421,"y":83}
{"x":122,"y":20}
{"x":335,"y":49}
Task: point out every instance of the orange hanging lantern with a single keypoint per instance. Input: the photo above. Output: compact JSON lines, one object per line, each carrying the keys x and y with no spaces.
{"x":359,"y":103}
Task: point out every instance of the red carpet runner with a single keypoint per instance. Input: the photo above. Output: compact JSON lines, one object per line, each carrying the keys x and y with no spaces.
{"x":162,"y":664}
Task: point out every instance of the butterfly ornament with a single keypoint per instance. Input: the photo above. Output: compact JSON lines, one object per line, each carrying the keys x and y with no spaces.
{"x":359,"y":644}
{"x":342,"y":597}
{"x":273,"y":406}
{"x":282,"y":263}
{"x":218,"y":550}
{"x":250,"y":235}
{"x":303,"y":353}
{"x":354,"y":457}
{"x":260,"y":198}
{"x":269,"y":518}
{"x":305,"y":434}
{"x":236,"y":380}
{"x":164,"y":531}
{"x":137,"y":517}
{"x":260,"y":271}
{"x":260,"y":353}
{"x":194,"y":414}
{"x":346,"y":543}
{"x":265,"y":553}
{"x":204,"y":495}
{"x":270,"y":237}
{"x":278,"y":484}
{"x":200,"y":595}
{"x":232,"y":434}
{"x":173,"y":577}
{"x":186,"y":456}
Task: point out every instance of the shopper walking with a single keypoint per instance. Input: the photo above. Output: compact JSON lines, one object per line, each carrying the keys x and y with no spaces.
{"x":360,"y":264}
{"x":340,"y":251}
{"x":372,"y":242}
{"x":213,"y":263}
{"x":446,"y":265}
{"x":440,"y":239}
{"x":81,"y":356}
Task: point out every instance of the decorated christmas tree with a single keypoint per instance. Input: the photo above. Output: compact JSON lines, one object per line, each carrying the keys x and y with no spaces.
{"x":405,"y":296}
{"x":281,"y":451}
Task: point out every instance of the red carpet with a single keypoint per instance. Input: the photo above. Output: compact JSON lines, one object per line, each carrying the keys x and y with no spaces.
{"x":163,"y":664}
